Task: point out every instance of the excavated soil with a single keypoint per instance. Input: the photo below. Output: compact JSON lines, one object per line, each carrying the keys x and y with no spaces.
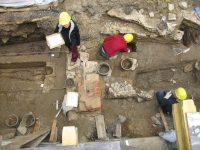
{"x":21,"y":91}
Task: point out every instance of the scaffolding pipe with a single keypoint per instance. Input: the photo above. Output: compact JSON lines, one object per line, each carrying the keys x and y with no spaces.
{"x":8,"y":54}
{"x":31,"y":89}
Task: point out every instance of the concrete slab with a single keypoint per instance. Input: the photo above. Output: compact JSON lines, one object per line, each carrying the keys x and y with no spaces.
{"x":150,"y":143}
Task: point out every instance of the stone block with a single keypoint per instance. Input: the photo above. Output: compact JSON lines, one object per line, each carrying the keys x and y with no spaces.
{"x":117,"y":131}
{"x":151,"y":14}
{"x":141,"y":11}
{"x":170,"y":7}
{"x":122,"y":118}
{"x":178,"y":35}
{"x":100,"y":125}
{"x":183,"y":5}
{"x":171,"y":16}
{"x":140,"y":99}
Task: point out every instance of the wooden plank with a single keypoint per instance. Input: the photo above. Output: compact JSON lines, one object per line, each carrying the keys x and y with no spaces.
{"x":7,"y":9}
{"x":37,"y":125}
{"x":34,"y":143}
{"x":8,"y":133}
{"x":53,"y":130}
{"x":100,"y":125}
{"x":193,"y":120}
{"x":179,"y":111}
{"x":0,"y":141}
{"x":56,"y":134}
{"x":18,"y":143}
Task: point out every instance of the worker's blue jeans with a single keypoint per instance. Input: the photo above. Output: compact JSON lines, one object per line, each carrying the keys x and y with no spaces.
{"x":161,"y":94}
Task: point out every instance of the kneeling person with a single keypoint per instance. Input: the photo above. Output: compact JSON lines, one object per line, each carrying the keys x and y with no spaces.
{"x":167,"y":98}
{"x":113,"y":44}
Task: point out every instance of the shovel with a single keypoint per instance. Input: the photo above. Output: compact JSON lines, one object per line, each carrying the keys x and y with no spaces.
{"x":161,"y":112}
{"x":84,"y":57}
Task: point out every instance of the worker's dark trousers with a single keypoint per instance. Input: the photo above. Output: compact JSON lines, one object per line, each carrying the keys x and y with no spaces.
{"x":74,"y":51}
{"x":161,"y":94}
{"x":105,"y":55}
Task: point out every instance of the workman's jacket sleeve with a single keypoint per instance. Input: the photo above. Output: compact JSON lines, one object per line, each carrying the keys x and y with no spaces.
{"x":77,"y":35}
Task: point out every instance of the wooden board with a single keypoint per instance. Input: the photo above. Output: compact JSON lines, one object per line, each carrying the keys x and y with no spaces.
{"x":56,"y":134}
{"x":100,"y":125}
{"x":18,"y":143}
{"x":8,"y":133}
{"x":53,"y":130}
{"x":193,"y":120}
{"x":34,"y":143}
{"x":179,"y":111}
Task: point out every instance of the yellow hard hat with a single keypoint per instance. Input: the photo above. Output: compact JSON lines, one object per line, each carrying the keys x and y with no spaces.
{"x":64,"y":18}
{"x":181,"y":93}
{"x":128,"y":37}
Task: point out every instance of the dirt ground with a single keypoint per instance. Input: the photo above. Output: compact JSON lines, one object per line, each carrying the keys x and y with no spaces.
{"x":158,"y":68}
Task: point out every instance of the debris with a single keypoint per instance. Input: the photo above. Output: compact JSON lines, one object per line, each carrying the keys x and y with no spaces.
{"x":172,"y":81}
{"x":155,"y":120}
{"x":197,"y":66}
{"x":126,"y":24}
{"x":170,"y":7}
{"x":178,"y":51}
{"x":158,"y":115}
{"x":171,"y":16}
{"x":173,"y":70}
{"x":107,"y":84}
{"x":8,"y":133}
{"x":151,"y":14}
{"x":122,"y":118}
{"x":141,"y":11}
{"x":100,"y":125}
{"x":22,"y":128}
{"x":188,"y":67}
{"x":153,"y":125}
{"x":117,"y":131}
{"x":140,"y":99}
{"x":183,"y":5}
{"x":37,"y":125}
{"x":83,"y":48}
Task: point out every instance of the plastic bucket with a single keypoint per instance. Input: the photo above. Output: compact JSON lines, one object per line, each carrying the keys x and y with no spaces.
{"x":103,"y":68}
{"x":12,"y":121}
{"x":69,"y":82}
{"x":28,"y":120}
{"x":127,"y":63}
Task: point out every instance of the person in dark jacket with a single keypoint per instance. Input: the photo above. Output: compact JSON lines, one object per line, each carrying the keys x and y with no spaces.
{"x":167,"y":98}
{"x":113,"y":44}
{"x":70,"y":33}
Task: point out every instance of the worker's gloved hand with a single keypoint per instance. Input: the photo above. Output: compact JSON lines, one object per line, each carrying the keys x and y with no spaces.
{"x":128,"y":50}
{"x":168,"y":94}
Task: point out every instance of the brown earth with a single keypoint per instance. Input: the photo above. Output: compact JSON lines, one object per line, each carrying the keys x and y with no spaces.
{"x":20,"y":83}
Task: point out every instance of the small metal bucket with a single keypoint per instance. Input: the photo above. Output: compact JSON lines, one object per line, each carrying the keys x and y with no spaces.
{"x":12,"y":121}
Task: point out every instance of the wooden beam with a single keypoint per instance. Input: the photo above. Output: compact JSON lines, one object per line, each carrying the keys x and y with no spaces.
{"x":37,"y":125}
{"x":18,"y":143}
{"x":32,"y":8}
{"x":179,"y":111}
{"x":53,"y":130}
{"x":34,"y":143}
